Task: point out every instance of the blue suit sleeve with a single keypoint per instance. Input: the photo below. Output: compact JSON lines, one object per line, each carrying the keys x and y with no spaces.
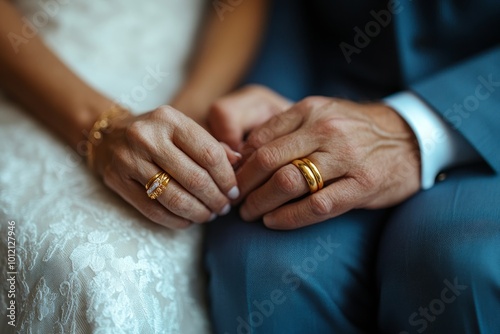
{"x":467,"y":95}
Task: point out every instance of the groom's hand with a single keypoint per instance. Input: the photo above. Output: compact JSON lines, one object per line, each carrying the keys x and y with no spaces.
{"x":366,"y":153}
{"x":234,"y":115}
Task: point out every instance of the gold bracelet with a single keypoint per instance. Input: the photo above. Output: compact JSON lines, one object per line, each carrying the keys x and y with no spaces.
{"x":103,"y":125}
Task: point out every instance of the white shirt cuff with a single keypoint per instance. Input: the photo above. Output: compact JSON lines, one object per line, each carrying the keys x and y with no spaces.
{"x":441,"y":147}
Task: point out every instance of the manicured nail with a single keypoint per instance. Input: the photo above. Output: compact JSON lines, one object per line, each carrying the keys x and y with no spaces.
{"x":225,"y":210}
{"x":213,"y":216}
{"x":234,"y":193}
{"x":228,"y":148}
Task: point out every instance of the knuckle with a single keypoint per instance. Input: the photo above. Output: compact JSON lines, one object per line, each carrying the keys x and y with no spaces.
{"x":135,"y":131}
{"x":266,"y":158}
{"x":321,"y":206}
{"x":264,"y":136}
{"x":137,"y":134}
{"x":329,"y":126}
{"x":280,"y":121}
{"x":163,"y":111}
{"x":335,"y":104}
{"x":165,"y":114}
{"x":259,"y":137}
{"x":213,"y":155}
{"x":312,"y":102}
{"x":178,"y":203}
{"x":367,"y":179}
{"x":309,"y":101}
{"x":287,"y":181}
{"x":198,"y":181}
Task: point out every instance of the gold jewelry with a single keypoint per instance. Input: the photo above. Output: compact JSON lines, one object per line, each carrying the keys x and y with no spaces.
{"x":317,"y":174}
{"x":158,"y":185}
{"x":308,"y":175}
{"x":151,"y":180}
{"x":102,"y":125}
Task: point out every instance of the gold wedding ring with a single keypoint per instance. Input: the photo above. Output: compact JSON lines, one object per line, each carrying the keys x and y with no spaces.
{"x":157,"y":184}
{"x":310,"y":173}
{"x":317,"y":174}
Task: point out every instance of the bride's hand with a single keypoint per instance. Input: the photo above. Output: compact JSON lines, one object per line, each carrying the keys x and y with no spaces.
{"x":138,"y":147}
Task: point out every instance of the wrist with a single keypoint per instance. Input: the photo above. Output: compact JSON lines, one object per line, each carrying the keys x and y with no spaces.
{"x":105,"y":124}
{"x":390,"y":120}
{"x":194,"y":103}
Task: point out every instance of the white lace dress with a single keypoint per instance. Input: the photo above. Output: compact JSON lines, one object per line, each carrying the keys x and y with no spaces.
{"x":87,"y":262}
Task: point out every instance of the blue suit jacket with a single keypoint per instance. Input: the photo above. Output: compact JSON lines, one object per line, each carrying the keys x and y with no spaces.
{"x":446,"y":51}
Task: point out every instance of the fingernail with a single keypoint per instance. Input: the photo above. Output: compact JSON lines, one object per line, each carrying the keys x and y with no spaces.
{"x":238,"y":154}
{"x":234,"y":193}
{"x":225,"y":210}
{"x":230,"y":149}
{"x":213,"y":216}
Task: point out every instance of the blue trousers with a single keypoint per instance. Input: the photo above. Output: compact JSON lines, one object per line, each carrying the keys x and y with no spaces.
{"x":430,"y":265}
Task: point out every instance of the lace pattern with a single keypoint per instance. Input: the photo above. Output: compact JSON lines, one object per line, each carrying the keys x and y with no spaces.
{"x":87,"y":262}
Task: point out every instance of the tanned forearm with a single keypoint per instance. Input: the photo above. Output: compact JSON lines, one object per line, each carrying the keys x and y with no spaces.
{"x":35,"y":78}
{"x":227,"y":47}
